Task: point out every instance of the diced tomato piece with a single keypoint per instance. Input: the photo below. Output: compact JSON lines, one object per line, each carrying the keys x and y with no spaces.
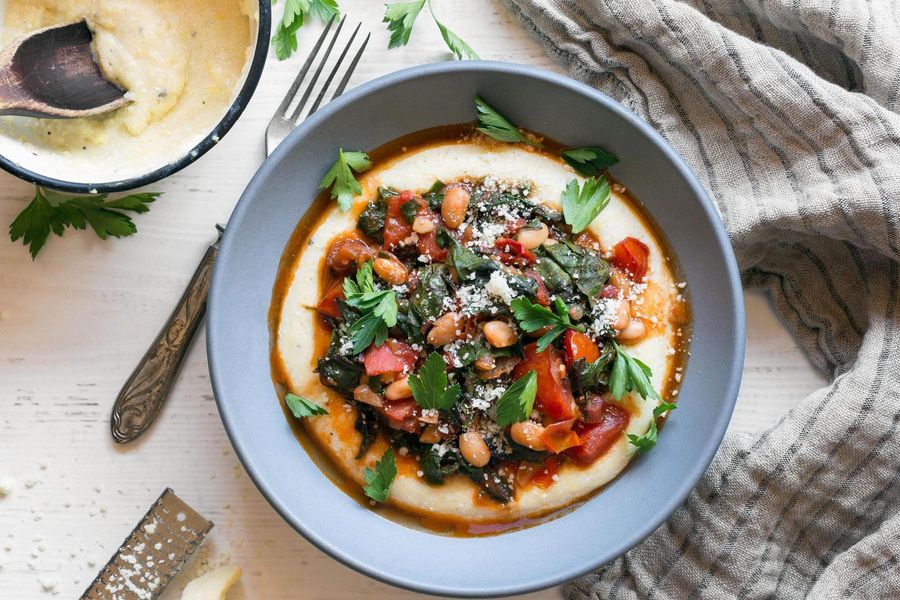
{"x":596,"y":438}
{"x":559,"y":436}
{"x":543,"y":296}
{"x":543,"y":477}
{"x":609,"y":291}
{"x":428,"y":244}
{"x":631,"y":255}
{"x":402,"y":414}
{"x":396,"y":227}
{"x":390,"y":357}
{"x":554,"y":393}
{"x":328,"y":304}
{"x":513,"y":252}
{"x":577,"y":345}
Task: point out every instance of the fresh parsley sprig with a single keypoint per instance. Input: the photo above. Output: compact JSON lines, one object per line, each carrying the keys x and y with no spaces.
{"x":494,"y":125}
{"x":457,"y":46}
{"x":301,"y":408}
{"x":401,"y":16}
{"x":378,"y":307}
{"x":517,"y":402}
{"x":532,"y":317}
{"x":430,"y":387}
{"x":646,"y":442}
{"x":581,"y":205}
{"x":51,"y":211}
{"x":295,"y":14}
{"x":630,"y":374}
{"x":590,"y":161}
{"x":379,"y":479}
{"x":341,"y":180}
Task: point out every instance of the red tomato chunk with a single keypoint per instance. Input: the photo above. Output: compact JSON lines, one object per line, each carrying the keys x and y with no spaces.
{"x":597,"y":438}
{"x":554,"y":393}
{"x":513,"y":252}
{"x":402,"y":414}
{"x":396,"y":228}
{"x":630,"y":255}
{"x":328,"y":304}
{"x":391,"y":357}
{"x":577,"y":345}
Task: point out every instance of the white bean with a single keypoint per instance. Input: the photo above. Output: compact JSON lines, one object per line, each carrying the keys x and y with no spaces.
{"x":528,"y":434}
{"x":474,"y":449}
{"x":532,"y":238}
{"x":633,"y":332}
{"x":499,"y":334}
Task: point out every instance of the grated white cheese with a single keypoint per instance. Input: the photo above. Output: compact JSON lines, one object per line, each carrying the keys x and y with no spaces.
{"x":441,"y":449}
{"x":498,"y":287}
{"x":484,"y":395}
{"x":603,"y":315}
{"x":486,"y":234}
{"x":473,"y":300}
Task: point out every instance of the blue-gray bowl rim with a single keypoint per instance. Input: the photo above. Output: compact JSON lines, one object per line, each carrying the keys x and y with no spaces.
{"x":732,"y":297}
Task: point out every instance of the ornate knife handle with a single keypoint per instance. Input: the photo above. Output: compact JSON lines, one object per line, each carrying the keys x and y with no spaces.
{"x":143,"y":395}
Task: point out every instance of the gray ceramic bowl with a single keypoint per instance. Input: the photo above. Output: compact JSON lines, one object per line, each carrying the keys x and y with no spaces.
{"x":238,"y":338}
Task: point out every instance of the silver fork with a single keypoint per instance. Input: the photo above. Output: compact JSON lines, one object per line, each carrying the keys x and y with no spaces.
{"x":143,"y":395}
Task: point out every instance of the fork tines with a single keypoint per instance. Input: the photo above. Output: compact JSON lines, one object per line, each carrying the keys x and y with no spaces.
{"x":296,"y":106}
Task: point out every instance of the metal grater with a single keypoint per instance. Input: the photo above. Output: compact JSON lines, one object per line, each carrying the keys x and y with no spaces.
{"x":153,"y":553}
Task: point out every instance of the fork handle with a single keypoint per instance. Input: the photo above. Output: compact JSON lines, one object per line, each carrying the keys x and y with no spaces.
{"x":143,"y":395}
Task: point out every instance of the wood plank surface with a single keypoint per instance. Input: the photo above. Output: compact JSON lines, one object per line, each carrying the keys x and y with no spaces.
{"x":74,"y":322}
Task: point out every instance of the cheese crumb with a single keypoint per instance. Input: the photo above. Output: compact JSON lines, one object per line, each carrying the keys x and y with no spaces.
{"x":498,"y":287}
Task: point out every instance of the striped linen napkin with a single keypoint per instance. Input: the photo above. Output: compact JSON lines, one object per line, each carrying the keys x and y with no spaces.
{"x":788,"y":111}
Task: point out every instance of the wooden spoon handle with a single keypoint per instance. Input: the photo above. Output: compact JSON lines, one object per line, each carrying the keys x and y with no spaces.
{"x":146,"y":390}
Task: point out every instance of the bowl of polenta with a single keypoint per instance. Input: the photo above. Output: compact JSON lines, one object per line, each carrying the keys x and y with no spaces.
{"x":189,"y":68}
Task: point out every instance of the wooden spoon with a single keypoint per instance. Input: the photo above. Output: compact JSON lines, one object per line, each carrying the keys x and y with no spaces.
{"x":52,"y":73}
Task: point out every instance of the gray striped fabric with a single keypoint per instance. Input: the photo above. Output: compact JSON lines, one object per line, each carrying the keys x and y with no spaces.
{"x":788,"y":112}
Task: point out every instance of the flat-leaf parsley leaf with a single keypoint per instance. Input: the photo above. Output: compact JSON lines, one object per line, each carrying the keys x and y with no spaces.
{"x":379,"y":479}
{"x":456,"y":44}
{"x":590,"y":161}
{"x":582,"y":205}
{"x":646,"y":442}
{"x":378,"y":307}
{"x":301,"y":407}
{"x":532,"y":317}
{"x":629,"y":374}
{"x":517,"y":402}
{"x":400,"y":17}
{"x":341,"y":180}
{"x":494,"y":125}
{"x":430,"y":386}
{"x":50,"y":211}
{"x":295,"y":13}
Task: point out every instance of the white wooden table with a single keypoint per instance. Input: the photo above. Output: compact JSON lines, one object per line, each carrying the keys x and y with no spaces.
{"x":74,"y":322}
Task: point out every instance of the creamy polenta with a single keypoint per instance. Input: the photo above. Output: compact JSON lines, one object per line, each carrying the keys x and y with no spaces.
{"x":466,"y":234}
{"x":181,"y":62}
